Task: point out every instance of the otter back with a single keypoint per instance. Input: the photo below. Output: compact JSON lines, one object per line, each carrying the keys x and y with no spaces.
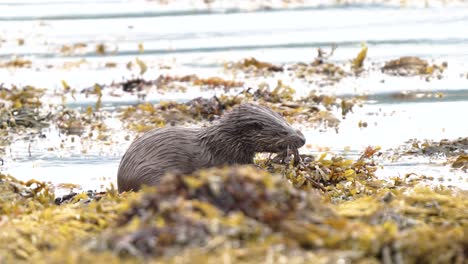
{"x":170,"y":149}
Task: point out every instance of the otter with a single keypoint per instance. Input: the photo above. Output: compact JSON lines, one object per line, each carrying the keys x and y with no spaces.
{"x":233,"y":139}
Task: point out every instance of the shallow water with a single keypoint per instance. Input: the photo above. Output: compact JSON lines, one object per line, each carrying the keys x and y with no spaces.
{"x":187,"y":39}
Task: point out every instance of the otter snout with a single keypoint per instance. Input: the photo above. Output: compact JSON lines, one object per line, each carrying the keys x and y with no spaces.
{"x":299,"y":139}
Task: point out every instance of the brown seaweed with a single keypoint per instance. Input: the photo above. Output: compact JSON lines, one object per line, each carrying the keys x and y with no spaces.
{"x":411,"y":66}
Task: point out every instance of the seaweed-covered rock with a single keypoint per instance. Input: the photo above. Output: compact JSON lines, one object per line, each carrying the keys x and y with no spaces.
{"x":239,"y":203}
{"x":238,"y":213}
{"x":35,"y":228}
{"x":455,"y":150}
{"x":252,"y":65}
{"x":313,"y":110}
{"x":23,"y":117}
{"x":27,"y":96}
{"x":242,"y":206}
{"x":410,"y":66}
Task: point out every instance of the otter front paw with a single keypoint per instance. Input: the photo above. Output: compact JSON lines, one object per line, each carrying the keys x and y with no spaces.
{"x":285,"y":157}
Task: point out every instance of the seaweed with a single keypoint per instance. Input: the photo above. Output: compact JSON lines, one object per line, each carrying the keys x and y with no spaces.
{"x":73,"y":48}
{"x":358,"y":62}
{"x":454,"y":151}
{"x":243,"y":204}
{"x":321,"y":70}
{"x":214,"y":82}
{"x":27,"y":96}
{"x":142,"y":65}
{"x":74,"y":197}
{"x":319,"y":67}
{"x":146,"y":116}
{"x":101,"y":49}
{"x":461,"y":162}
{"x":411,"y":66}
{"x":36,"y":226}
{"x":74,"y":122}
{"x":172,"y":83}
{"x":21,"y":108}
{"x":242,"y":213}
{"x":23,"y":117}
{"x":337,"y":176}
{"x":429,"y":148}
{"x":254,"y":64}
{"x":96,"y":89}
{"x":17,"y":62}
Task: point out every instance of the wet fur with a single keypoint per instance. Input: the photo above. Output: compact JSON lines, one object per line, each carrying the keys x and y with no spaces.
{"x":234,"y":139}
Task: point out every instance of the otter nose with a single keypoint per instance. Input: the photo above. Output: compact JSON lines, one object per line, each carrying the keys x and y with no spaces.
{"x":300,"y":138}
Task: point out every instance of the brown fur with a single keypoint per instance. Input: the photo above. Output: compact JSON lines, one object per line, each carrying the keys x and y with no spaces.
{"x":234,"y":139}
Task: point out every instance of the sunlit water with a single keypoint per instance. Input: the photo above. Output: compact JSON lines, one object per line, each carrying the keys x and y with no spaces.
{"x":190,"y":39}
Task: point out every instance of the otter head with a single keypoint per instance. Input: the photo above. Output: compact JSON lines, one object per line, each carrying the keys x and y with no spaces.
{"x":263,"y":130}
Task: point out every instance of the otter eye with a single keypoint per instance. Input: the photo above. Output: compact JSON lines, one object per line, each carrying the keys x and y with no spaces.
{"x":281,"y":133}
